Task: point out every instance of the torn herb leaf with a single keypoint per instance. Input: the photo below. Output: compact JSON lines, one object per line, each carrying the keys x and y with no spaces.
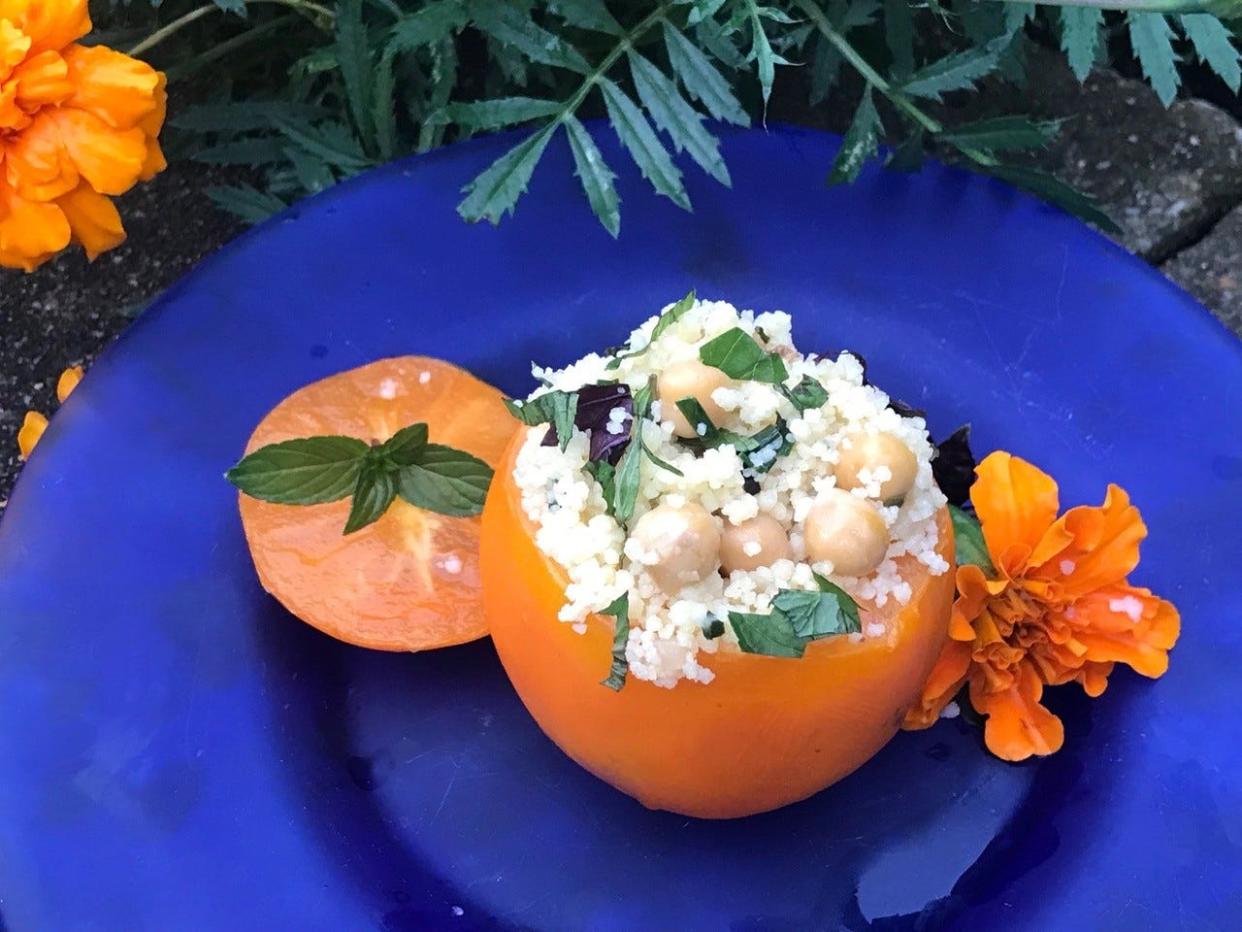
{"x":818,"y":614}
{"x":806,"y":395}
{"x":556,"y":407}
{"x":619,"y":609}
{"x":758,"y":451}
{"x":667,"y":319}
{"x":968,"y":541}
{"x":737,"y":355}
{"x":772,"y":635}
{"x":594,"y":414}
{"x":712,"y":627}
{"x":605,"y":474}
{"x":625,"y":488}
{"x":954,"y":466}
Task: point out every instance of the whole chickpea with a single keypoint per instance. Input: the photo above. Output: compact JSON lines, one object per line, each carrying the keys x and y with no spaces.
{"x":685,"y":542}
{"x":847,"y":531}
{"x":870,"y":451}
{"x":759,"y":541}
{"x":689,"y":379}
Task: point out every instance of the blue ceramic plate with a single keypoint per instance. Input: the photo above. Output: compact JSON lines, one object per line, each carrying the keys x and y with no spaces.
{"x":178,"y":753}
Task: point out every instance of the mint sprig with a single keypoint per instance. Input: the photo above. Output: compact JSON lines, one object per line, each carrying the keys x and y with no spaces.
{"x":758,"y":451}
{"x":317,"y":470}
{"x":971,"y":549}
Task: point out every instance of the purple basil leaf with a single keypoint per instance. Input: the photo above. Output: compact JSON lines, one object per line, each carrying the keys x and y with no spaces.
{"x":954,"y":466}
{"x":595,"y":406}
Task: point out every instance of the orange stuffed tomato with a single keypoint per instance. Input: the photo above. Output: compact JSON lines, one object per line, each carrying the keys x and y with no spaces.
{"x":716,"y":571}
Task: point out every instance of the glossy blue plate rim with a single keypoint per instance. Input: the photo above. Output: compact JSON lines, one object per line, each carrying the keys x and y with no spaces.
{"x":176,"y":752}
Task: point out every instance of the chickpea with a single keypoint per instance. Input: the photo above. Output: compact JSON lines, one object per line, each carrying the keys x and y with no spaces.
{"x":869,"y":451}
{"x":685,"y":542}
{"x":847,"y":531}
{"x":689,"y":379}
{"x":761,"y":541}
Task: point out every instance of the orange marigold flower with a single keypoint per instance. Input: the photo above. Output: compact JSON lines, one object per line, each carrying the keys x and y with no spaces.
{"x":1058,"y":610}
{"x":77,"y":125}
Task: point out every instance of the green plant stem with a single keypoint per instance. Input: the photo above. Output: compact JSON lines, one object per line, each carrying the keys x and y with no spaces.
{"x":1221,"y":8}
{"x":880,"y":84}
{"x":624,"y":44}
{"x":170,"y":29}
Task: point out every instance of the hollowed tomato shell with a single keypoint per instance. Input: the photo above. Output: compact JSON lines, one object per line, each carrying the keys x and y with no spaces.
{"x":766,"y":732}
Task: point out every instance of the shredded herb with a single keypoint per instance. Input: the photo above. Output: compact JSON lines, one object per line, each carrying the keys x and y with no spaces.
{"x":619,"y":609}
{"x":712,"y":627}
{"x":316,"y":470}
{"x":737,"y":355}
{"x":969,"y":544}
{"x":954,"y":466}
{"x":667,"y":319}
{"x":758,"y":451}
{"x":556,"y":407}
{"x":806,"y":395}
{"x":605,"y":474}
{"x":798,"y":617}
{"x":625,"y":489}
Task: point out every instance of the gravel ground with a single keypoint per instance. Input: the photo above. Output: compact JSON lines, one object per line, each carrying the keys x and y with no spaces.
{"x":1172,"y":178}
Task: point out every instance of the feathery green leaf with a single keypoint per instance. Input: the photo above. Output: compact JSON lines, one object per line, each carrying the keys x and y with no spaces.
{"x":245,"y":202}
{"x":672,"y":114}
{"x":1080,"y":37}
{"x":644,"y":146}
{"x":587,"y":14}
{"x":957,"y":72}
{"x":861,"y":142}
{"x":1151,"y":37}
{"x":1214,"y":46}
{"x":1055,"y":191}
{"x":435,"y":21}
{"x":497,"y":188}
{"x":354,"y":55}
{"x":595,"y":175}
{"x":825,"y":68}
{"x":1000,"y":134}
{"x":701,"y":79}
{"x":507,"y":24}
{"x":498,"y":113}
{"x":899,"y":35}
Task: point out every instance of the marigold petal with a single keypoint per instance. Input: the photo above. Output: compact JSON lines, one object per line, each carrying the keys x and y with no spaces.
{"x":1093,"y":678}
{"x":94,"y":220}
{"x":110,"y":159}
{"x":945,"y":679}
{"x":1018,"y":725}
{"x":118,"y":89}
{"x":51,"y":24}
{"x":12,"y":117}
{"x":31,"y":431}
{"x":42,"y":80}
{"x":1105,"y":546}
{"x":30,"y":233}
{"x":153,"y":122}
{"x":37,"y":164}
{"x":154,"y":163}
{"x":14,"y":46}
{"x":67,"y":382}
{"x":1016,"y":504}
{"x":1126,"y":624}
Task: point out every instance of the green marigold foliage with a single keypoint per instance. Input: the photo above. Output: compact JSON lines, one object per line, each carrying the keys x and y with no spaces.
{"x":318,"y":93}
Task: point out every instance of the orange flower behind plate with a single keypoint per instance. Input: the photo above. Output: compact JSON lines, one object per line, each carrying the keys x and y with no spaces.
{"x":78,"y":126}
{"x":1058,"y":608}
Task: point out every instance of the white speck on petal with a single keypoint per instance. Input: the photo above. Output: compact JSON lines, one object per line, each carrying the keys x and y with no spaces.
{"x":1067,"y":567}
{"x":452,"y":564}
{"x":424,"y":378}
{"x":388,"y":389}
{"x":1128,"y":606}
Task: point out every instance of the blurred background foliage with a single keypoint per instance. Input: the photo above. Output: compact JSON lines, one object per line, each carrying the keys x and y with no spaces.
{"x":306,"y":93}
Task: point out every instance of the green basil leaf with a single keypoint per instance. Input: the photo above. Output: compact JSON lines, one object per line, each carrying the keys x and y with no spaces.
{"x":818,"y":614}
{"x":737,"y":355}
{"x":446,"y":481}
{"x":373,"y":494}
{"x":556,"y":407}
{"x":605,"y":474}
{"x":771,"y":635}
{"x":625,"y":489}
{"x":667,"y":319}
{"x":663,"y":464}
{"x":806,"y":395}
{"x":307,"y":471}
{"x":971,"y":548}
{"x":758,"y":451}
{"x":404,"y":447}
{"x":699,"y":419}
{"x":619,"y":609}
